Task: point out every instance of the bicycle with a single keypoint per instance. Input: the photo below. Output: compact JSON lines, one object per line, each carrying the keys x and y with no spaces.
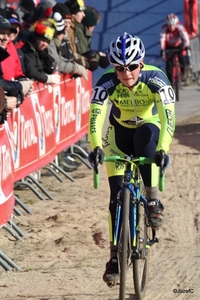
{"x":133,"y":237}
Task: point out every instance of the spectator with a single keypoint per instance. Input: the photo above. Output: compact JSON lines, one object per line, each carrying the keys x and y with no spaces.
{"x":77,"y":8}
{"x":174,"y":36}
{"x":43,"y":10}
{"x":64,"y":65}
{"x":11,"y":92}
{"x":65,"y":47}
{"x":10,"y":68}
{"x":15,"y":38}
{"x":27,"y":8}
{"x":38,"y":63}
{"x":16,"y":24}
{"x":15,"y":21}
{"x":84,"y":32}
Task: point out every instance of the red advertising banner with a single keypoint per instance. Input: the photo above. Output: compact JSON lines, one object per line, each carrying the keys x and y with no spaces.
{"x":51,"y":119}
{"x":6,"y":176}
{"x":71,"y":104}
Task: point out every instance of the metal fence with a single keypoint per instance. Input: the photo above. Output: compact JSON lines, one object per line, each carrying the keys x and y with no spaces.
{"x":195,"y":54}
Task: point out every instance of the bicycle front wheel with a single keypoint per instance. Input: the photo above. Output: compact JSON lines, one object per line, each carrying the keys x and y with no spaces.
{"x":141,"y":264}
{"x":124,"y":245}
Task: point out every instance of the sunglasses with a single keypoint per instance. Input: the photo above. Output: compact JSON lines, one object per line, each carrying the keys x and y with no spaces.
{"x":130,"y":68}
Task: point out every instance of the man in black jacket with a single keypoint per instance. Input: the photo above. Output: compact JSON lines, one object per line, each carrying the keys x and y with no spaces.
{"x":37,"y":62}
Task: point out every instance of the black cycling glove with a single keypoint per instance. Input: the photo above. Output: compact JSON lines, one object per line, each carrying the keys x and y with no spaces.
{"x":95,"y":157}
{"x":161,"y":159}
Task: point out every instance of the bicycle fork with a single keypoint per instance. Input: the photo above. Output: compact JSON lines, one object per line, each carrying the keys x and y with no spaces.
{"x":135,"y":239}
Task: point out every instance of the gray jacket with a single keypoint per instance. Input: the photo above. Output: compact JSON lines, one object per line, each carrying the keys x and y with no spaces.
{"x":64,"y":65}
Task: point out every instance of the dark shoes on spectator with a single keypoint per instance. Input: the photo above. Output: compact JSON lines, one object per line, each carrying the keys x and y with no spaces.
{"x":156,"y":217}
{"x":111,"y":276}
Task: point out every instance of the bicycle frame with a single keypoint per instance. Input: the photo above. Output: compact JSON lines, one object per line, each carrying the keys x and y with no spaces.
{"x":132,"y":182}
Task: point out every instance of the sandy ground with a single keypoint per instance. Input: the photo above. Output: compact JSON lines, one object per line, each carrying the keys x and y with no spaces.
{"x":64,"y":252}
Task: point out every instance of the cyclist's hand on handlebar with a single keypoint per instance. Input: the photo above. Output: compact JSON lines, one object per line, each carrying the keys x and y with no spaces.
{"x":187,"y":48}
{"x":161,"y":159}
{"x":96,"y":156}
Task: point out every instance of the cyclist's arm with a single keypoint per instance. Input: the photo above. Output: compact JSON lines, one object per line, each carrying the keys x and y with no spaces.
{"x":184,"y":35}
{"x":97,"y":116}
{"x":165,"y":99}
{"x":163,"y":39}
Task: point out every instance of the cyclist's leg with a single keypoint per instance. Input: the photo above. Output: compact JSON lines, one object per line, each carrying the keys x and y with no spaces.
{"x":182,"y":61}
{"x":145,"y":142}
{"x":118,"y":141}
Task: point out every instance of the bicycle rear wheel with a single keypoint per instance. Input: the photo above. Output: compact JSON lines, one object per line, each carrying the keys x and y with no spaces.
{"x":123,"y":245}
{"x":141,"y":264}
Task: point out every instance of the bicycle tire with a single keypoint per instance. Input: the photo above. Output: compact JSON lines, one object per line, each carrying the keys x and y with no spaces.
{"x":124,"y":240}
{"x":140,"y":272}
{"x":177,"y":79}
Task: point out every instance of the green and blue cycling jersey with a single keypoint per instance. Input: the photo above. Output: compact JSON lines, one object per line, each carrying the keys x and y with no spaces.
{"x":150,"y":100}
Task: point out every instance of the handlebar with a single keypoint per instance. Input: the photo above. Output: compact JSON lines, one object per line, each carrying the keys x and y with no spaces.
{"x":137,"y":161}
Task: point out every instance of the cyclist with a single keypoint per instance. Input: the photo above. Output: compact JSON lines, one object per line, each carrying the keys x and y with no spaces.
{"x":174,"y":36}
{"x":141,"y":123}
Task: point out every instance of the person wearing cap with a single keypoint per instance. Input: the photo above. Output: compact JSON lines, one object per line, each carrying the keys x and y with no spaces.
{"x":84,"y":32}
{"x":65,"y":48}
{"x":15,"y":22}
{"x":64,"y":65}
{"x":10,"y":68}
{"x":38,"y":63}
{"x":77,"y":9}
{"x":8,"y":101}
{"x":17,"y":25}
{"x":17,"y":39}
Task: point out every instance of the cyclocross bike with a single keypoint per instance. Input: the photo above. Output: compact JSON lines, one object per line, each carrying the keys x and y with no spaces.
{"x":133,"y":237}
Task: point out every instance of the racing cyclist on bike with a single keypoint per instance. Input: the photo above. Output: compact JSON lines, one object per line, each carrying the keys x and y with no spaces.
{"x":141,"y":123}
{"x":174,"y":36}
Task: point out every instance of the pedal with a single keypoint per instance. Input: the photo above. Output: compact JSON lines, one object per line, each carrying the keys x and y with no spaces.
{"x":153,"y":241}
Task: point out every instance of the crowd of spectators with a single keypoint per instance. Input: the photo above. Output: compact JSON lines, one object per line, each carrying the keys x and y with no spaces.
{"x":38,"y":40}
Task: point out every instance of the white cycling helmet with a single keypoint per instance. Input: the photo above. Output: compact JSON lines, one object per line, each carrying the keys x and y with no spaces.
{"x":126,"y":49}
{"x":172,"y":19}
